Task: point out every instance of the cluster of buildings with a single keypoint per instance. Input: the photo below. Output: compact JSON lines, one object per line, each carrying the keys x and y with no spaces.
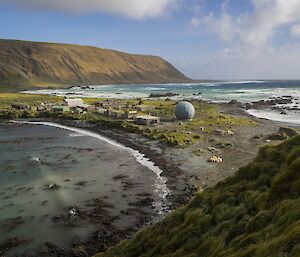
{"x":140,"y":113}
{"x":110,"y":108}
{"x":118,"y":110}
{"x":75,"y":105}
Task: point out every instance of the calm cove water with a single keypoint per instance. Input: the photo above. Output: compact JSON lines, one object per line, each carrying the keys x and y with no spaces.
{"x":243,"y":91}
{"x":33,"y":157}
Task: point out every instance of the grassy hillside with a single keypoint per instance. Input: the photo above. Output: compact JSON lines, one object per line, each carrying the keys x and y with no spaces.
{"x":254,"y":213}
{"x":31,"y":64}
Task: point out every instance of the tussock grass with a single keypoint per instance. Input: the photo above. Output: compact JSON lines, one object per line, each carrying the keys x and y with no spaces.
{"x":256,"y":212}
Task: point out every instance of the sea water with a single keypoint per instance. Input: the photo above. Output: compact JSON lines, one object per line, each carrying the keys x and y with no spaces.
{"x":35,"y":156}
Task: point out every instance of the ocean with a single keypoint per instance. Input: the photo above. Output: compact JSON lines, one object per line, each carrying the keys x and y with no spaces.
{"x":242,"y":91}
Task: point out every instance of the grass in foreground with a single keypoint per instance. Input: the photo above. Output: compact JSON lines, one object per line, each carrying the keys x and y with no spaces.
{"x":6,"y":99}
{"x":256,"y":212}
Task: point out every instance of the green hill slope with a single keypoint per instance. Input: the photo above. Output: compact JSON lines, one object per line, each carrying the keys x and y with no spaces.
{"x":254,"y":213}
{"x":27,"y":64}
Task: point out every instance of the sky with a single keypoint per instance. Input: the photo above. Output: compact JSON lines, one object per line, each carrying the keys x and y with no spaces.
{"x":205,"y":39}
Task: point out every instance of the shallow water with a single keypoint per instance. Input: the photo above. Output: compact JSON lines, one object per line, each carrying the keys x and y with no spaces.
{"x":32,"y":157}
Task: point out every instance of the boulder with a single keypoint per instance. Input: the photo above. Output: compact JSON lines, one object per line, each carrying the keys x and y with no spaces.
{"x":289,"y":131}
{"x":277,"y":136}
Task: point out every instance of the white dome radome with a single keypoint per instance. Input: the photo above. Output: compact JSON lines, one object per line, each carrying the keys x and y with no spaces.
{"x":184,"y":111}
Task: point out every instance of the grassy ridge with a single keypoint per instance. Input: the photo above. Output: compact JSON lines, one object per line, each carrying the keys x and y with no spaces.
{"x":26,"y":64}
{"x":256,"y":212}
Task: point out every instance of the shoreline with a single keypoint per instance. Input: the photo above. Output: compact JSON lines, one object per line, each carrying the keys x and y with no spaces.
{"x":175,"y":176}
{"x":183,"y":169}
{"x":180,"y":193}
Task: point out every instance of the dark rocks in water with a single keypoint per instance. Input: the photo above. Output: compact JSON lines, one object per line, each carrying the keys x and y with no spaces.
{"x":81,"y":183}
{"x":53,"y":250}
{"x":144,"y":202}
{"x":85,"y":87}
{"x":72,"y":216}
{"x":12,"y":243}
{"x":20,"y":188}
{"x":44,"y":203}
{"x":13,"y":223}
{"x":129,"y":185}
{"x":99,"y":203}
{"x":293,"y":108}
{"x":95,"y":213}
{"x":52,"y":187}
{"x":121,"y":176}
{"x":200,"y":93}
{"x":235,"y":102}
{"x":144,"y":194}
{"x":270,"y":103}
{"x":163,"y":95}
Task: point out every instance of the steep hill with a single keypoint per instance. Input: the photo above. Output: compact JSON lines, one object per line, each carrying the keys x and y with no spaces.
{"x":27,"y":64}
{"x":254,"y":213}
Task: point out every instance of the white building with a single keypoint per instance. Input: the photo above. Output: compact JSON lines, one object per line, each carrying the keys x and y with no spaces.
{"x":74,"y":102}
{"x":147,"y":120}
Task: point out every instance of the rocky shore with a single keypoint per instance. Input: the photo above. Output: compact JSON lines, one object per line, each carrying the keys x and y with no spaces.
{"x":279,"y":104}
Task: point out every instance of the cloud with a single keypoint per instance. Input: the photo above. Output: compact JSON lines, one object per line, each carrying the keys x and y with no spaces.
{"x":253,"y":30}
{"x":137,"y":9}
{"x":295,"y":30}
{"x":223,"y":25}
{"x":255,"y":43}
{"x":268,"y":17}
